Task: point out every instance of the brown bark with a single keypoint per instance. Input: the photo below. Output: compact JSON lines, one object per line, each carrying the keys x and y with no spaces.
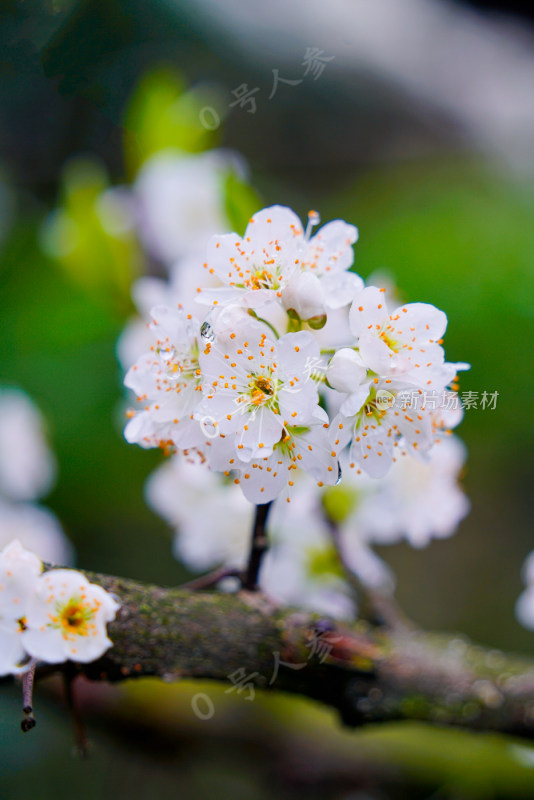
{"x":368,"y":673}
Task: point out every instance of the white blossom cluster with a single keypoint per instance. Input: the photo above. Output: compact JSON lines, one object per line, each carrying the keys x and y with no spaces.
{"x":51,"y":616}
{"x":284,"y":358}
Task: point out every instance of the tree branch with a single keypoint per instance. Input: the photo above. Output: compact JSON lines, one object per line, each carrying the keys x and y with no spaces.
{"x":369,"y":674}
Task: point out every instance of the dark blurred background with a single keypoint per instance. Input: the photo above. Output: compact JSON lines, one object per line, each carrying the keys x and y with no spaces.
{"x":420,"y":130}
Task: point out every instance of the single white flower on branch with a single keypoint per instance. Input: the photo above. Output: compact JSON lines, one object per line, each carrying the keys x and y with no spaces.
{"x":67,"y":617}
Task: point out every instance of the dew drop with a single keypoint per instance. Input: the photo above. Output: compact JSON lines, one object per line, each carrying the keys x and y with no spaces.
{"x":206,"y":332}
{"x":167,"y":356}
{"x":314,"y":218}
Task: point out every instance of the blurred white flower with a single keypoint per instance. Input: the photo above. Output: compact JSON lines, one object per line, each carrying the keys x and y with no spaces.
{"x":181,"y":201}
{"x":27,"y":471}
{"x":213,"y":527}
{"x":37,"y":529}
{"x":211,"y":518}
{"x":416,"y":500}
{"x":524,"y":608}
{"x":301,"y":568}
{"x":27,"y":465}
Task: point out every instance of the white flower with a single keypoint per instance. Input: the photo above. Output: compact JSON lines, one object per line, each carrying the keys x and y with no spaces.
{"x":304,"y":448}
{"x":255,"y":387}
{"x":524,"y":608}
{"x":166,"y":381}
{"x":19,"y":572}
{"x":395,"y":418}
{"x":53,"y":617}
{"x":404,"y":343}
{"x":212,"y":519}
{"x":67,"y":617}
{"x":267,"y":264}
{"x":27,"y":466}
{"x":181,"y":201}
{"x":37,"y":529}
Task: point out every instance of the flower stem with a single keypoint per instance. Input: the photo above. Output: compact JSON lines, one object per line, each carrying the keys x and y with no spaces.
{"x":258,"y":546}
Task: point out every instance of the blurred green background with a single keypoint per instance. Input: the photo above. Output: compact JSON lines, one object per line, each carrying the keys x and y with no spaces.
{"x":452,"y":223}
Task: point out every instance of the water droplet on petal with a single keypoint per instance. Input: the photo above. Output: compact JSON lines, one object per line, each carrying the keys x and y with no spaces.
{"x":209,"y":427}
{"x":206,"y":332}
{"x":167,"y":356}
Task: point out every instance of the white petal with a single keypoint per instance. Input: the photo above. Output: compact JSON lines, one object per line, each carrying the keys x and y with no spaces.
{"x":423,"y":321}
{"x":340,"y":288}
{"x":380,"y":358}
{"x":368,"y":311}
{"x":304,"y":294}
{"x":275,"y":222}
{"x":330,"y":250}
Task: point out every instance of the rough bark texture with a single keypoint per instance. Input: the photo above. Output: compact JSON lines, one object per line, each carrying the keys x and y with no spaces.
{"x":370,"y":674}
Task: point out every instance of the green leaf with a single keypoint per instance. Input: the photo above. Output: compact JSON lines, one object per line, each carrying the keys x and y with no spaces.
{"x":91,"y":237}
{"x":163,"y":114}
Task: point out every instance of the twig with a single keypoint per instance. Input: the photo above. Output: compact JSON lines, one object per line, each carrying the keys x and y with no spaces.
{"x":211,"y":579}
{"x":258,"y":546}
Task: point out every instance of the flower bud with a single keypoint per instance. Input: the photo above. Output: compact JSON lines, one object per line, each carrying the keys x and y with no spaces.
{"x":345,"y":371}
